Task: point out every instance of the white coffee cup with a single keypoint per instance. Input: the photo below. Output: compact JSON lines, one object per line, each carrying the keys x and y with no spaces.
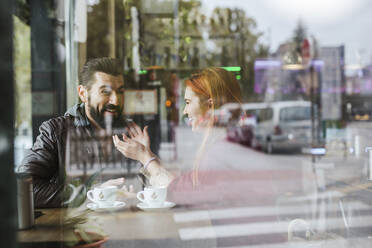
{"x":153,"y":196}
{"x":103,"y":196}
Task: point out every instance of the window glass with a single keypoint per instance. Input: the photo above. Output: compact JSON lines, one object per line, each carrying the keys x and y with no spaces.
{"x":161,"y":122}
{"x":22,"y":71}
{"x":265,"y":114}
{"x":295,"y":114}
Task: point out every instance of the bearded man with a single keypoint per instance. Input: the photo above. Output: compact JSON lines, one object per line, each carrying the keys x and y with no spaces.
{"x":101,"y":92}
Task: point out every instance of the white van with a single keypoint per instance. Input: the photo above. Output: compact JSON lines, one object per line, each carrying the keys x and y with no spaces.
{"x":284,"y":125}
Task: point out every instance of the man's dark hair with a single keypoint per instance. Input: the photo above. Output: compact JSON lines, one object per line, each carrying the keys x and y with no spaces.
{"x":106,"y":65}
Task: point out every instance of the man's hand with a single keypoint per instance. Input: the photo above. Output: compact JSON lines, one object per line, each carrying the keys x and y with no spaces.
{"x":135,"y":133}
{"x":123,"y":189}
{"x":114,"y":182}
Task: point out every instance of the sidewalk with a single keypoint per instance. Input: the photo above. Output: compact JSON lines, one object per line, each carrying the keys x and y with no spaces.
{"x":347,"y":175}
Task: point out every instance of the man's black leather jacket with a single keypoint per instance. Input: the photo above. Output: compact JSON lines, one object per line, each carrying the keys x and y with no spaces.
{"x":46,"y":159}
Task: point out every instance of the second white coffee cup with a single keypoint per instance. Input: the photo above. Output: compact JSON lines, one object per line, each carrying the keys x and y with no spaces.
{"x":153,"y":196}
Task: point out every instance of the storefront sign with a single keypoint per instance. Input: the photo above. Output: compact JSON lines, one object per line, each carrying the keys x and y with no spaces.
{"x":140,"y":102}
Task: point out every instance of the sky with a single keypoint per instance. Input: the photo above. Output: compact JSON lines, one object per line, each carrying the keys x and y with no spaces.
{"x":332,"y":22}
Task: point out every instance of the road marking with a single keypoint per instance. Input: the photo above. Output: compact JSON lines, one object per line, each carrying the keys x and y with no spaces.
{"x":257,"y":211}
{"x":315,"y":196}
{"x":356,"y":187}
{"x":237,"y":230}
{"x":329,"y":243}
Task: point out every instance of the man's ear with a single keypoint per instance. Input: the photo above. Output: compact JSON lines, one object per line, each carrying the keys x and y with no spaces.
{"x":83,"y":93}
{"x":210,"y":103}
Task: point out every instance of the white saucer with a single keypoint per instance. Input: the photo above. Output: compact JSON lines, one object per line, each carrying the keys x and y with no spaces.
{"x":117,"y":205}
{"x":146,"y":207}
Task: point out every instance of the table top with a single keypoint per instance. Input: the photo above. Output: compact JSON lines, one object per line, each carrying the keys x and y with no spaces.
{"x":124,"y":225}
{"x":209,"y":226}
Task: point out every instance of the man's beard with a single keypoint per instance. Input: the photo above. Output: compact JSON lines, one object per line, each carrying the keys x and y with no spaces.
{"x":99,"y":116}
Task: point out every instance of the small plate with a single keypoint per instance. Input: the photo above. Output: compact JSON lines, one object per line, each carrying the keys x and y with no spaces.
{"x":117,"y":205}
{"x":146,"y":207}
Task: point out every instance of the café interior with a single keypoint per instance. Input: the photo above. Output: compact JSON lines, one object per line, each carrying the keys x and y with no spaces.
{"x":203,"y":123}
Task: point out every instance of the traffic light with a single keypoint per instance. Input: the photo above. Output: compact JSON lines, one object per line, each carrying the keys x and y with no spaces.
{"x":235,"y":70}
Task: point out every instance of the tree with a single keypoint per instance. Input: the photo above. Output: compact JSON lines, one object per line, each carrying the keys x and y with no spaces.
{"x":22,"y":69}
{"x":299,"y":34}
{"x":228,"y":37}
{"x":239,"y":32}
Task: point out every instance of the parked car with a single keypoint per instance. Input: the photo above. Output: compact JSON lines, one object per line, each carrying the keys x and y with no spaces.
{"x":241,"y":130}
{"x":239,"y":126}
{"x":252,"y":112}
{"x":226,"y":112}
{"x":360,"y":114}
{"x":284,"y":125}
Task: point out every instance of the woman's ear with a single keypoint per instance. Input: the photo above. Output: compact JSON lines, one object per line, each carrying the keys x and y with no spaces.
{"x":83,"y":93}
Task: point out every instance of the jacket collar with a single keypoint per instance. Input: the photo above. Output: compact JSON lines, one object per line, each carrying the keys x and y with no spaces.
{"x":78,"y":112}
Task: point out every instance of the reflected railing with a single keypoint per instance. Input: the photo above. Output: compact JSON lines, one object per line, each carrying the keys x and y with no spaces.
{"x":88,"y":152}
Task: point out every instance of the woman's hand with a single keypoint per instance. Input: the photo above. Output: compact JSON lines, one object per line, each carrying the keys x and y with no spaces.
{"x":127,"y":193}
{"x":135,"y":133}
{"x":135,"y":150}
{"x":132,"y":149}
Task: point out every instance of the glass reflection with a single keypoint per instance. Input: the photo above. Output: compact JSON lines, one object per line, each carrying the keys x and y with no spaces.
{"x":223,"y":125}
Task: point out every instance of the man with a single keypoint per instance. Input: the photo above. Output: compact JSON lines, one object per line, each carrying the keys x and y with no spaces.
{"x":101,"y":92}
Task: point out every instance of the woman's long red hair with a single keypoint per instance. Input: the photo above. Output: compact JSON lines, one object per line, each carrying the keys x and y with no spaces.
{"x":218,"y":85}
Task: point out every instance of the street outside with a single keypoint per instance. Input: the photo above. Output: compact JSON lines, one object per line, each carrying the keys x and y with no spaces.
{"x":330,"y":198}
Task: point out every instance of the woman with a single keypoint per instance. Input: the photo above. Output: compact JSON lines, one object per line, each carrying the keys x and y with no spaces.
{"x":205,"y":92}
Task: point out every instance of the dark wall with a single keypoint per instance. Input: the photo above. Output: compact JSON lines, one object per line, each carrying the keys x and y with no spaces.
{"x":7,"y":181}
{"x":48,"y":77}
